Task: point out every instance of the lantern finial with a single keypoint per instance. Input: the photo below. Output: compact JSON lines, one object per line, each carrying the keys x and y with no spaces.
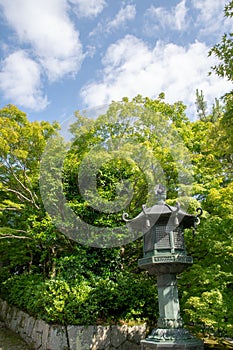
{"x":160,"y":193}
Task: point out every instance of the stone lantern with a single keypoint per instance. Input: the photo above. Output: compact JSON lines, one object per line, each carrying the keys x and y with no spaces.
{"x":165,"y":256}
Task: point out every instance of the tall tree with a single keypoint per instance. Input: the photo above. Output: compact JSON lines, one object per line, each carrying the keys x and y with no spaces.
{"x":139,"y":140}
{"x":224,"y":50}
{"x":21,"y":147}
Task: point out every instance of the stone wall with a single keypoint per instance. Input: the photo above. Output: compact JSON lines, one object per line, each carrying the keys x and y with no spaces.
{"x":40,"y":335}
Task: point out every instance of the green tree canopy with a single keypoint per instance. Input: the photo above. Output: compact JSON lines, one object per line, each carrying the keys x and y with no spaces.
{"x":224,"y":50}
{"x":112,"y":166}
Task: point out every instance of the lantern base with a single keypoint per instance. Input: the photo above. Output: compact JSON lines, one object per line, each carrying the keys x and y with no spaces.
{"x":179,"y":338}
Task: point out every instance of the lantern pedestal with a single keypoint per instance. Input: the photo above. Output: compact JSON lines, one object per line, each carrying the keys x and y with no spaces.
{"x":175,"y":344}
{"x":171,"y":338}
{"x":170,"y":333}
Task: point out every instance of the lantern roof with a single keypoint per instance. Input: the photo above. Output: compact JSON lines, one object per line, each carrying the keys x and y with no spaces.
{"x":160,"y":214}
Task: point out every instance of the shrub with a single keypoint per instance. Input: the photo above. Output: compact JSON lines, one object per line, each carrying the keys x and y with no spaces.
{"x":121,"y":297}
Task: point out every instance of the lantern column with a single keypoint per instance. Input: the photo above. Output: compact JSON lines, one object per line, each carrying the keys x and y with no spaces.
{"x":169,"y":307}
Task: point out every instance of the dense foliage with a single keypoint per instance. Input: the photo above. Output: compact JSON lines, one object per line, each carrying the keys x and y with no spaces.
{"x":224,"y":49}
{"x":63,"y":281}
{"x":57,"y":278}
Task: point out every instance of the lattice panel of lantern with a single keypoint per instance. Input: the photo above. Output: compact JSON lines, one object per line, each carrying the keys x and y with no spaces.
{"x":163,"y":239}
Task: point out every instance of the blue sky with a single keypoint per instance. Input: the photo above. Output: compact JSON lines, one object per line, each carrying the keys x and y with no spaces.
{"x":58,"y":56}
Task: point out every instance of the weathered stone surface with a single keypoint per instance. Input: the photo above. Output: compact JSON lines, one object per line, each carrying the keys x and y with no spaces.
{"x":8,"y":316}
{"x":74,"y":338}
{"x":87,"y":336}
{"x":13,"y":320}
{"x":130,"y":346}
{"x":137,"y":333}
{"x":45,"y":334}
{"x":26,"y":325}
{"x":40,"y":335}
{"x":37,"y":333}
{"x":118,"y":335}
{"x":101,"y":339}
{"x":3,"y":309}
{"x":57,"y":338}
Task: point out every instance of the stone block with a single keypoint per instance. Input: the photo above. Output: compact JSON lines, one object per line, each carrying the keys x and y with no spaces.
{"x":25,"y":326}
{"x":80,"y":337}
{"x":130,"y":346}
{"x":101,"y":338}
{"x":136,"y":333}
{"x":118,"y":335}
{"x":57,"y":338}
{"x":8,"y":316}
{"x":13,"y":321}
{"x":87,"y":336}
{"x":3,"y":309}
{"x":37,"y":333}
{"x":74,"y":334}
{"x":45,"y":334}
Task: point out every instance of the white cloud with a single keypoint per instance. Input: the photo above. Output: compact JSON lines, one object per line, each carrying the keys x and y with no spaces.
{"x":180,"y":15}
{"x":125,"y":14}
{"x":46,"y":26}
{"x":20,"y":81}
{"x":210,"y":17}
{"x":90,"y":8}
{"x":131,"y":67}
{"x":174,"y":19}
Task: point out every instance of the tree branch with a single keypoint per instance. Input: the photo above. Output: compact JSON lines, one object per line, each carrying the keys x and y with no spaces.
{"x":19,"y":194}
{"x":27,"y":189}
{"x":14,"y":236}
{"x":8,"y":235}
{"x":18,"y":209}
